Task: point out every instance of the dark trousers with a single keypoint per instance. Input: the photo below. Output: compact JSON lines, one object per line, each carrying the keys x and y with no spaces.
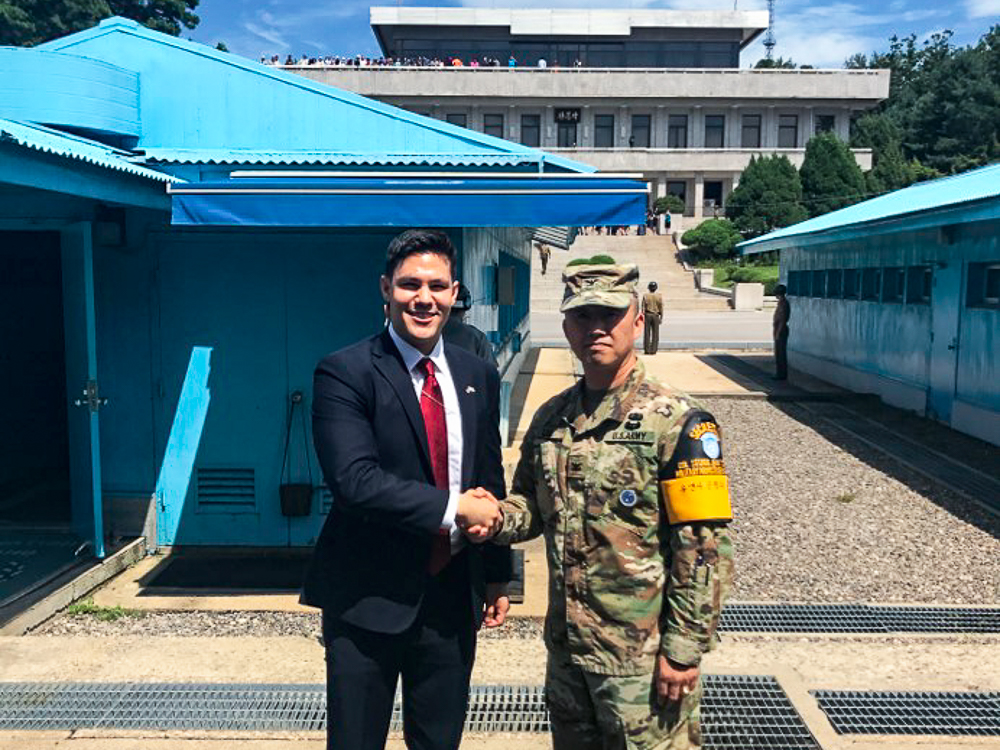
{"x":651,"y":334}
{"x":434,"y":657}
{"x":781,"y":355}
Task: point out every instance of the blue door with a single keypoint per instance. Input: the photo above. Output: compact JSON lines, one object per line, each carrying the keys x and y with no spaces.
{"x":946,"y":305}
{"x":82,"y":385}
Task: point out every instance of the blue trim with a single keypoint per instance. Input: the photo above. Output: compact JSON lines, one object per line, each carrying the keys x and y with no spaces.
{"x":182,"y":445}
{"x":350,"y":202}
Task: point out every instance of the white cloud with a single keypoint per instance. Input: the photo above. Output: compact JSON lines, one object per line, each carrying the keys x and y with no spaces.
{"x":982,"y":8}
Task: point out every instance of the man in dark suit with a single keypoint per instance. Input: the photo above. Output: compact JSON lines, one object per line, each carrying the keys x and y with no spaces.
{"x":404,"y":425}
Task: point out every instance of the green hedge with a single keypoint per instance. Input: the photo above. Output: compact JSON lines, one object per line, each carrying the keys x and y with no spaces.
{"x":727,"y":275}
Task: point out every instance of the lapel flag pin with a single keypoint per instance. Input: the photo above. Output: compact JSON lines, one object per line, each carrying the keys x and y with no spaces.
{"x":469,"y":389}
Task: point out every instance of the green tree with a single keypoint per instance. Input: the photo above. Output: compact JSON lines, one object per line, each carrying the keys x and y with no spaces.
{"x":712,"y":239}
{"x":768,"y":197}
{"x":831,"y":178}
{"x":30,"y":22}
{"x":668,"y":204}
{"x":764,"y":63}
{"x":944,"y":100}
{"x":890,"y":169}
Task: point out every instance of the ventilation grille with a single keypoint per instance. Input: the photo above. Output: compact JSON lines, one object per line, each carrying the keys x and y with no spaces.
{"x":227,"y":490}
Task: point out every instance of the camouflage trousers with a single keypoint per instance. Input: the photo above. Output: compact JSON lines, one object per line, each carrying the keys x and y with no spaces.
{"x":591,"y":711}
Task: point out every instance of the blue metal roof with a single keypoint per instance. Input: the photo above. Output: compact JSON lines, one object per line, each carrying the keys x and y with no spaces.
{"x":316,"y":158}
{"x":946,"y":192}
{"x":240,"y":104}
{"x":51,"y":141}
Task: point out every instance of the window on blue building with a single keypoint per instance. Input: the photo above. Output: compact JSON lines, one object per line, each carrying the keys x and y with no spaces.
{"x":871,"y":283}
{"x":835,"y":283}
{"x":893,"y":284}
{"x":918,"y":285}
{"x":819,"y":283}
{"x":493,"y":125}
{"x":850,"y":283}
{"x":984,"y":285}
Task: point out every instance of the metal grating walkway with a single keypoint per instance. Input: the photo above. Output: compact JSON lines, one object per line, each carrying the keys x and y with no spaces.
{"x":738,"y":712}
{"x":911,"y":713}
{"x":857,"y":618}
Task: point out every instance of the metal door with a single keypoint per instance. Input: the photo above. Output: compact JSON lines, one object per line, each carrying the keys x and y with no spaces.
{"x":946,"y":305}
{"x":85,"y":399}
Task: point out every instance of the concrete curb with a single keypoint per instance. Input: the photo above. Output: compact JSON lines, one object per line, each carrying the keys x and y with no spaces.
{"x":79,"y":587}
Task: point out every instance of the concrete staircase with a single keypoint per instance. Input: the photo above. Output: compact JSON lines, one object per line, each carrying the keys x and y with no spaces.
{"x":654,"y":254}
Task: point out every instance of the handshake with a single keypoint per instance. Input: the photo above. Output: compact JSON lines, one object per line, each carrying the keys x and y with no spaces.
{"x":478,"y":515}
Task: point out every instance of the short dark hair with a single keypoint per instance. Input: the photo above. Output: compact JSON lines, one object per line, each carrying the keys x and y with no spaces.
{"x":780,"y":289}
{"x":416,"y":241}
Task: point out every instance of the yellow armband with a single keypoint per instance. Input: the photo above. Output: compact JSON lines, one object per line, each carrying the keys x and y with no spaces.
{"x":693,"y":484}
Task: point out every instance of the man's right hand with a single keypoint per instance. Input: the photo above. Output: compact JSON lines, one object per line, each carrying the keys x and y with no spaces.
{"x":478,"y":514}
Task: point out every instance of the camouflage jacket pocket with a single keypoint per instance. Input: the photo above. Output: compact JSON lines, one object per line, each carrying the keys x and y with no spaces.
{"x":625,"y":492}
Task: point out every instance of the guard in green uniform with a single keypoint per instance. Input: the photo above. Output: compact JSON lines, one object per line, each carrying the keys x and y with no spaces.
{"x":625,"y":478}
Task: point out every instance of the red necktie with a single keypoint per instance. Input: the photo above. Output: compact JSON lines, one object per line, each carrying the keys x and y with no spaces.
{"x":432,"y":407}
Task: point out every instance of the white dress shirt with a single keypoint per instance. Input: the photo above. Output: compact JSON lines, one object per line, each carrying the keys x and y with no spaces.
{"x":453,"y":422}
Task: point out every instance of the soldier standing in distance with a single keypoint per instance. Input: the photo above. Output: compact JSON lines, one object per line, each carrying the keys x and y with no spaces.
{"x":544,"y":252}
{"x":652,"y":312}
{"x":625,"y":478}
{"x":779,"y":325}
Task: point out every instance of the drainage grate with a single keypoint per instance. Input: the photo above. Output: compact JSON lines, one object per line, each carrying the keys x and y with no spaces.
{"x":858,"y":618}
{"x":738,"y":712}
{"x":911,"y":713}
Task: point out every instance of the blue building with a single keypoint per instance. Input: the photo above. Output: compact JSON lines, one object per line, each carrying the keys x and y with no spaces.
{"x":184,"y":233}
{"x":900,"y":296}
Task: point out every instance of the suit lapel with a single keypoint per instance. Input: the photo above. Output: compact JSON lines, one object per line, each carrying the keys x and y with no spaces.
{"x":467,"y":403}
{"x":388,"y":361}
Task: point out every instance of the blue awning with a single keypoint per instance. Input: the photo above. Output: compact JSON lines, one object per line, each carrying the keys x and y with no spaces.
{"x":405,"y":200}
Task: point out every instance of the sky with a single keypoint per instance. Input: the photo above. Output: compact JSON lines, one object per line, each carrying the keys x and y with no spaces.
{"x":810,"y":32}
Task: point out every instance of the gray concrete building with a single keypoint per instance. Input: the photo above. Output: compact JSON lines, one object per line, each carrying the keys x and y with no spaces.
{"x":656,"y":92}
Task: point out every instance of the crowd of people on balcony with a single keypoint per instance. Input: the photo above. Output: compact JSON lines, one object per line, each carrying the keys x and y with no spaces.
{"x":362,"y":61}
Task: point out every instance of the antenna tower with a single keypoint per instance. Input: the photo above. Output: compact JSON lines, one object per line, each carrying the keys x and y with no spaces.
{"x":769,"y":37}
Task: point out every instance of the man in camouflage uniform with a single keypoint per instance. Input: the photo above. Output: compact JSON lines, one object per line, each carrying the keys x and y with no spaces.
{"x":625,"y":479}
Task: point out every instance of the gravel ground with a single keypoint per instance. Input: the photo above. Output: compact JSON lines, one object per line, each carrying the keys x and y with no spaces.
{"x":827,"y":519}
{"x":228,"y":624}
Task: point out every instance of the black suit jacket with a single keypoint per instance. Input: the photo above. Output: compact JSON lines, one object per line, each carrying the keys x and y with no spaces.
{"x":369,"y":567}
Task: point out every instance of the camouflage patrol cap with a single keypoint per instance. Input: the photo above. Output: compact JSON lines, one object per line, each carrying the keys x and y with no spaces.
{"x":604,"y":285}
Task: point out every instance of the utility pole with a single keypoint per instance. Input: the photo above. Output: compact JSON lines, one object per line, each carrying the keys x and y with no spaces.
{"x":769,"y":37}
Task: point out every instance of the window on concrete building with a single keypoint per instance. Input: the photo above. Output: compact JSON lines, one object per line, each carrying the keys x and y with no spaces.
{"x":713,"y":198}
{"x":788,"y":131}
{"x":835,"y":283}
{"x":640,"y":132}
{"x":825,"y":123}
{"x":984,"y":285}
{"x":456,"y":118}
{"x":715,"y":131}
{"x":677,"y":131}
{"x":918,"y":284}
{"x":871,"y":283}
{"x":493,"y":125}
{"x":566,"y":134}
{"x":850,"y":283}
{"x":893,"y":284}
{"x":750,"y":133}
{"x":531,"y":130}
{"x":604,"y":131}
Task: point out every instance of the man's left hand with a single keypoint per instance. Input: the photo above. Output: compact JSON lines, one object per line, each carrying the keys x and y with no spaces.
{"x":673,"y":681}
{"x":497,"y":605}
